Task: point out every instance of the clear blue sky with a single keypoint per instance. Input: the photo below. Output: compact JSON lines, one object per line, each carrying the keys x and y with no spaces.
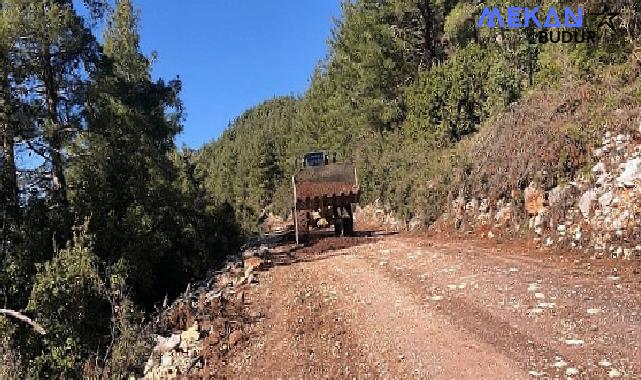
{"x":233,"y":54}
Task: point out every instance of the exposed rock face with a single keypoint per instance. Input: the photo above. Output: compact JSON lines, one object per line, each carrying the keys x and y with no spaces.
{"x":614,"y":198}
{"x":601,"y":214}
{"x":379,"y":215}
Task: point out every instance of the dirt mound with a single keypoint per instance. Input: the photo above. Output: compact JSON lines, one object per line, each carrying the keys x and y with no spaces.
{"x":321,"y":245}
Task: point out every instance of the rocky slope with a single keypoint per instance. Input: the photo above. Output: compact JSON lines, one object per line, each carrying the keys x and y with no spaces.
{"x":198,"y":330}
{"x":598,"y":212}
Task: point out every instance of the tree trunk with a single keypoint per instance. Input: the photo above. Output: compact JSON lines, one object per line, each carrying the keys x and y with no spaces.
{"x":9,"y":180}
{"x":58,"y":180}
{"x":429,"y":37}
{"x":9,"y":186}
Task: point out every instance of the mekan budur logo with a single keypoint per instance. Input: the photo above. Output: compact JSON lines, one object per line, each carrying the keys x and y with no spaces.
{"x":567,"y":26}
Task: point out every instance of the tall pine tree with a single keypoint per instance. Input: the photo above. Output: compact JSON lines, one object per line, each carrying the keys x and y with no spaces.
{"x":124,"y":179}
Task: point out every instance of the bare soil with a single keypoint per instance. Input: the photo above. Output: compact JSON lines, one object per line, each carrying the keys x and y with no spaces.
{"x":414,"y":307}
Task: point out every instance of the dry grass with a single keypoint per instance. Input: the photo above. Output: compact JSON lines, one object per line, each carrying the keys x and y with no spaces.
{"x":547,"y":138}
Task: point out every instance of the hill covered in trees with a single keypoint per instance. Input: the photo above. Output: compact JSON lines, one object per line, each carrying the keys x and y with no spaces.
{"x":406,"y":88}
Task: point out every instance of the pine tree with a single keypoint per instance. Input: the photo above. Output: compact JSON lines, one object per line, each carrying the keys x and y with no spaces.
{"x":125,"y":177}
{"x":122,"y":44}
{"x":62,"y":50}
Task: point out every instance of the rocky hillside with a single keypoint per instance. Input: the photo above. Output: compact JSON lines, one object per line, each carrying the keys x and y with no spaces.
{"x":599,"y":213}
{"x":562,"y":168}
{"x":207,"y":322}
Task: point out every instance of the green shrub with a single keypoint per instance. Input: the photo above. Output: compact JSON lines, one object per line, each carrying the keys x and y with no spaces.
{"x":68,"y":299}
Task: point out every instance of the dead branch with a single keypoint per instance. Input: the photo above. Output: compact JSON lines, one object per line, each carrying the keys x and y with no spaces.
{"x":11,"y":313}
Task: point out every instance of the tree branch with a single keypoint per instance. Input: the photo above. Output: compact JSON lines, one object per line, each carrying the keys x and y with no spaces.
{"x":11,"y":313}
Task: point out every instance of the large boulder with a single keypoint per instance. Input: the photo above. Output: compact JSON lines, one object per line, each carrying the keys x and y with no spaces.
{"x":586,"y":201}
{"x":165,"y":344}
{"x":631,"y":173}
{"x":534,"y":200}
{"x":504,"y":215}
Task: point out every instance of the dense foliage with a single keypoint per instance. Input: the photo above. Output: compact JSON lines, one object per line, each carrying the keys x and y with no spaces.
{"x":104,"y":218}
{"x":404,"y":83}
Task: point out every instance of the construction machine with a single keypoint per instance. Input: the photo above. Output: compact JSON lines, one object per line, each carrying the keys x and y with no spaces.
{"x":325,"y":194}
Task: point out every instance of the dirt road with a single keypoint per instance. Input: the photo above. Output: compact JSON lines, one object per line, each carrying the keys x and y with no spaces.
{"x":408,"y":307}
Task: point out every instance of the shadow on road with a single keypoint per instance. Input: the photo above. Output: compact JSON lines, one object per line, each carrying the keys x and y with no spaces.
{"x":322,"y":245}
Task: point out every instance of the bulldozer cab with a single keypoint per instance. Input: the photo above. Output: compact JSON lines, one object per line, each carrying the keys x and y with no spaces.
{"x":314,"y":159}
